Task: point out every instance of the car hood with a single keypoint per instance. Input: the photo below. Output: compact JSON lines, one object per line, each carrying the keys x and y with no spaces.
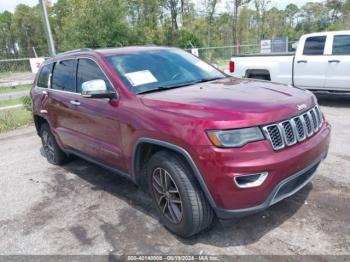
{"x":247,"y":102}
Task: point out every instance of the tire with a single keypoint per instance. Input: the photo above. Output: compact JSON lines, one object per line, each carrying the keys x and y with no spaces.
{"x":180,"y":203}
{"x":53,"y":152}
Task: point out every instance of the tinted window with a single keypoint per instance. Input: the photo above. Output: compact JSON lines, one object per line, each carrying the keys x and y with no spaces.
{"x":166,"y":68}
{"x":314,"y":45}
{"x":63,"y":77}
{"x":44,"y":76}
{"x":89,"y":70}
{"x":341,"y":45}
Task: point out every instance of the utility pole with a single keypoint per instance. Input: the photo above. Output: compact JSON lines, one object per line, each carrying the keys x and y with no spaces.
{"x":47,"y":28}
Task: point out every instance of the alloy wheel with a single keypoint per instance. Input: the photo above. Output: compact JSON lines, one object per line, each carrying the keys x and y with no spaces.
{"x":48,"y":145}
{"x":167,"y":195}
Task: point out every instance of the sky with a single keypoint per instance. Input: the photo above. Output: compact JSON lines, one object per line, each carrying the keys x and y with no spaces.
{"x":10,"y":5}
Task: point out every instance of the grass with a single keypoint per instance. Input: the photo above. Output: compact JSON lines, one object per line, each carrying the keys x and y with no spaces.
{"x":15,"y":118}
{"x":10,"y":89}
{"x":223,"y":64}
{"x":3,"y":74}
{"x":10,"y":102}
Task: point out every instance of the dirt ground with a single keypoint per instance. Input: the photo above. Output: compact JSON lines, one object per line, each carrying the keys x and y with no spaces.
{"x":82,"y":209}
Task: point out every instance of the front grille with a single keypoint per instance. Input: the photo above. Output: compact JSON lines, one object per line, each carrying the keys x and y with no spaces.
{"x":297,"y":129}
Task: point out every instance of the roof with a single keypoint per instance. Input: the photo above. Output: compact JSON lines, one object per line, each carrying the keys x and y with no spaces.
{"x":103,"y":51}
{"x":128,"y":49}
{"x":345,"y":32}
{"x":109,"y":51}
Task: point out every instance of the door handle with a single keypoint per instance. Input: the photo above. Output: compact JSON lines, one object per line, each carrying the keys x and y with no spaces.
{"x":75,"y":102}
{"x":333,"y":61}
{"x":302,"y":61}
{"x":45,"y":93}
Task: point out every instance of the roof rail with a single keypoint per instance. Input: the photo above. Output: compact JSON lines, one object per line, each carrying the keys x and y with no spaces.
{"x":74,"y":51}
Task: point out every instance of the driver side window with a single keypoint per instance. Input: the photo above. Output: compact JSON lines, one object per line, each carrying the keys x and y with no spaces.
{"x":88,"y":70}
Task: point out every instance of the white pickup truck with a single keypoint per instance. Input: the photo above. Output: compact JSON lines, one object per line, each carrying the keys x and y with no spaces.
{"x":320,"y":63}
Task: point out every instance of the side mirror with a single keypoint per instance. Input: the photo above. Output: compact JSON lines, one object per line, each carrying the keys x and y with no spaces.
{"x":96,"y":89}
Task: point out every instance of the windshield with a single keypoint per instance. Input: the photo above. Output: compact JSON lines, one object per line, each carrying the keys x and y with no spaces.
{"x":147,"y":71}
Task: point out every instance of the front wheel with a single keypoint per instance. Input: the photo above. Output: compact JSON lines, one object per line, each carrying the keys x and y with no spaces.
{"x":180,"y":202}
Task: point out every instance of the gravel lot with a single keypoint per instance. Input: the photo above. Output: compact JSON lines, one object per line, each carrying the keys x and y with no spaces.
{"x":82,"y":209}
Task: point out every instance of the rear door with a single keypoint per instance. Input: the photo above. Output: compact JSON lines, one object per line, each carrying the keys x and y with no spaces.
{"x":310,"y":63}
{"x":338,"y":64}
{"x":60,"y":109}
{"x":39,"y":92}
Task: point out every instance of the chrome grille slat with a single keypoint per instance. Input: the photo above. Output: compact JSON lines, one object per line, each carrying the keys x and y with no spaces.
{"x":319,"y":116}
{"x":314,"y":119}
{"x":294,"y":130}
{"x":308,"y":124}
{"x":274,"y":134}
{"x":288,"y":132}
{"x":300,"y":128}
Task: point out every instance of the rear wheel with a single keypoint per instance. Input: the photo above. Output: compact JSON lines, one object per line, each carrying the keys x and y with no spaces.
{"x":53,"y":152}
{"x":181,"y":204}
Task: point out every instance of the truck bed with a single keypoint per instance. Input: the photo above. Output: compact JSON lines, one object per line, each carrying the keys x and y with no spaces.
{"x":270,"y":54}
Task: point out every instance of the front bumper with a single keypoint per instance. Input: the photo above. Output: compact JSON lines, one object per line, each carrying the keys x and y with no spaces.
{"x":289,"y":170}
{"x":284,"y":189}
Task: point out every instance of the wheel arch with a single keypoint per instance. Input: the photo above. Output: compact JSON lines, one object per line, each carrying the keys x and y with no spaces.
{"x":252,"y":73}
{"x":38,"y":122}
{"x":146,"y":147}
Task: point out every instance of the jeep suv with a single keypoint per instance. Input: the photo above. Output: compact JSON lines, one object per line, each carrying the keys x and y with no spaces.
{"x":204,"y":144}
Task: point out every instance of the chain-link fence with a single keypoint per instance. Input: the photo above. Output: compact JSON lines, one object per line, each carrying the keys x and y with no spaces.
{"x":15,"y":65}
{"x":15,"y":72}
{"x":220,"y":55}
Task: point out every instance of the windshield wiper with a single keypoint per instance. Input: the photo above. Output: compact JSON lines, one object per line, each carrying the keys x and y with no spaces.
{"x":206,"y":80}
{"x":158,"y":88}
{"x":161,"y":88}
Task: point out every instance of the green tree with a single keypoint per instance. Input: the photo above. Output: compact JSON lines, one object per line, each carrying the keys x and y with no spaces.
{"x":334,"y":7}
{"x":291,"y":12}
{"x":7,"y":37}
{"x":29,"y":32}
{"x":261,"y":7}
{"x":237,"y":4}
{"x":92,"y":23}
{"x":314,"y":17}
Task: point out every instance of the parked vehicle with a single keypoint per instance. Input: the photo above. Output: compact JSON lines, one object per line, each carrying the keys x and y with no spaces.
{"x":205,"y":144}
{"x":321,"y":63}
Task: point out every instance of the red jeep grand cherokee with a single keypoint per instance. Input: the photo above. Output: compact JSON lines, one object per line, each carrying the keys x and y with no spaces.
{"x":204,"y":143}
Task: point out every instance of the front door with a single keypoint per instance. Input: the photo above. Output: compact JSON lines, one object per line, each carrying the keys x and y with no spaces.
{"x":96,"y":127}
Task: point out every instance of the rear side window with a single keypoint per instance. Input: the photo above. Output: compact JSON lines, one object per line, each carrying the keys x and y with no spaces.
{"x":89,"y":70}
{"x":44,"y":74}
{"x":315,"y":45}
{"x":341,"y":45}
{"x":63,"y":76}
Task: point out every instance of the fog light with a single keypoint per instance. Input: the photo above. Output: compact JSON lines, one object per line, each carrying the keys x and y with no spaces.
{"x":251,"y":180}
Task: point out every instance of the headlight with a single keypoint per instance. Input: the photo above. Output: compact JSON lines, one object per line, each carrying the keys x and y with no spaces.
{"x":235,"y":137}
